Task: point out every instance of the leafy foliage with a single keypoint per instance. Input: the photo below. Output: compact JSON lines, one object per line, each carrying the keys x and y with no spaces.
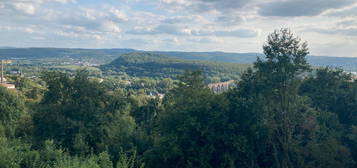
{"x":279,"y":115}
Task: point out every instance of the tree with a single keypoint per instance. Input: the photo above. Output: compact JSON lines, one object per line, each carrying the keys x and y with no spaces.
{"x":77,"y":113}
{"x":12,"y":106}
{"x":283,"y":128}
{"x":193,"y":128}
{"x":285,"y":60}
{"x":333,"y":91}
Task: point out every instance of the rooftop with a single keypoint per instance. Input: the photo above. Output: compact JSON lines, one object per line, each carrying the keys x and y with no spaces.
{"x":8,"y":86}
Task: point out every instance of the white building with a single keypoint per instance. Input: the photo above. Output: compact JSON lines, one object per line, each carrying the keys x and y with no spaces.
{"x":3,"y":80}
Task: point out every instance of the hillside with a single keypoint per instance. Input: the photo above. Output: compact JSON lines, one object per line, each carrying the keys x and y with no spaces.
{"x":104,"y":56}
{"x":347,"y":63}
{"x":94,"y":56}
{"x":215,"y":56}
{"x":145,"y":64}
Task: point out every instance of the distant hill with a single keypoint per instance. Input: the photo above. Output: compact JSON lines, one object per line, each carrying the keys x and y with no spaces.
{"x":145,"y":64}
{"x":347,"y":63}
{"x":97,"y":56}
{"x":104,"y":56}
{"x":4,"y":47}
{"x":215,"y":56}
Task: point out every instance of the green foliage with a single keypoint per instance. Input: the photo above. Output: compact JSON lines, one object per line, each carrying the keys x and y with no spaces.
{"x":76,"y":113}
{"x":126,"y":161}
{"x":69,"y":162}
{"x":101,"y":161}
{"x":284,"y":110}
{"x":279,"y":115}
{"x":11,"y":106}
{"x":156,"y":65}
{"x":333,"y":90}
{"x":192,"y":128}
{"x":9,"y":158}
{"x":30,"y":89}
{"x":104,"y":160}
{"x":278,"y":125}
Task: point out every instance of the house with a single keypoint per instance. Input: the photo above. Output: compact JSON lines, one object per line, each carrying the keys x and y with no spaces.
{"x":2,"y":79}
{"x":8,"y":86}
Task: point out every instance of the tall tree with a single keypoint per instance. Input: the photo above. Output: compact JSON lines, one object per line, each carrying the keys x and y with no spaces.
{"x":286,"y":127}
{"x":285,"y":60}
{"x":78,"y":113}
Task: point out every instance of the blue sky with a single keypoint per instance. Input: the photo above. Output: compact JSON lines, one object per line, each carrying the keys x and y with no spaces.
{"x":329,"y":26}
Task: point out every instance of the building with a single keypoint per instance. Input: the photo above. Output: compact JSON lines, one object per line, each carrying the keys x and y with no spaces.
{"x":5,"y":84}
{"x":8,"y":86}
{"x":3,"y":80}
{"x":221,"y":87}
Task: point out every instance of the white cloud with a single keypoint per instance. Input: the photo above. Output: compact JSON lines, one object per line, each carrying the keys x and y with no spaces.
{"x":186,"y":31}
{"x":205,"y":5}
{"x":186,"y":20}
{"x":205,"y":40}
{"x":334,"y":31}
{"x":175,"y":4}
{"x":293,"y":8}
{"x":119,"y":15}
{"x":109,"y":26}
{"x":343,"y":12}
{"x":228,"y":25}
{"x":62,"y":1}
{"x":29,"y":30}
{"x":27,"y":8}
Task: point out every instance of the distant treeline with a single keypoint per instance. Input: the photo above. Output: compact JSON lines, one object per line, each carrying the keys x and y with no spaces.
{"x":104,"y":56}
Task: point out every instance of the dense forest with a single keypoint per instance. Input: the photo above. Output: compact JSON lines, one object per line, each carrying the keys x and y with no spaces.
{"x":280,"y":114}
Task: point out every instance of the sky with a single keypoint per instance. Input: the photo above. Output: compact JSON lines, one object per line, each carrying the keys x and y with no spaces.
{"x":329,"y":26}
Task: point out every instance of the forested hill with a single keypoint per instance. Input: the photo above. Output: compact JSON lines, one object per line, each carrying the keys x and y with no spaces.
{"x":214,"y":56}
{"x":158,"y":65}
{"x":97,"y":56}
{"x":347,"y":63}
{"x":104,"y":56}
{"x":108,"y":55}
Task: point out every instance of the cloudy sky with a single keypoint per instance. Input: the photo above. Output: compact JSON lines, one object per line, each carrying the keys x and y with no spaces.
{"x":329,"y":26}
